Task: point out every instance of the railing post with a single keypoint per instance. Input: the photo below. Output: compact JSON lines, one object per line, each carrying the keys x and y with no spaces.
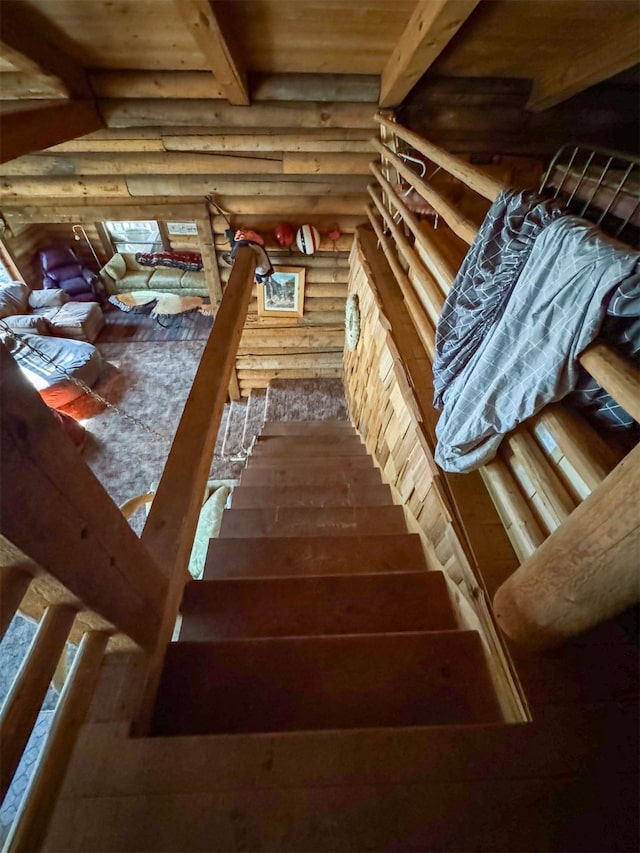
{"x":585,"y":572}
{"x":53,"y":508}
{"x":170,"y":528}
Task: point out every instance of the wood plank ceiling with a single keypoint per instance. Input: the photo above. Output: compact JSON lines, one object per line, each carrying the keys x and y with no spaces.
{"x":156,"y":108}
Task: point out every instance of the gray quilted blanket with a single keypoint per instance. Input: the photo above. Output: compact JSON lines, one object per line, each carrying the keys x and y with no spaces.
{"x":531,"y":294}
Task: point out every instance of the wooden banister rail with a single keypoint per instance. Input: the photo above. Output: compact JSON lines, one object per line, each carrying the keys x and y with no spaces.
{"x":584,"y":573}
{"x":170,"y":529}
{"x":30,"y":827}
{"x":470,"y":175}
{"x":440,"y":266}
{"x":21,"y":707}
{"x":618,"y":378}
{"x":536,"y":492}
{"x":49,"y":494}
{"x":459,"y":224}
{"x":418,"y":314}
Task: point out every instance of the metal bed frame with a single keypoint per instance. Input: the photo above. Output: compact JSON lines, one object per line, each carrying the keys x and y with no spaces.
{"x":600,"y":185}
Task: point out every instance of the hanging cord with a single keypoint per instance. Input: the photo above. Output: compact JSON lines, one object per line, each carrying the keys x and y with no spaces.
{"x":241,"y":456}
{"x":83,"y":385}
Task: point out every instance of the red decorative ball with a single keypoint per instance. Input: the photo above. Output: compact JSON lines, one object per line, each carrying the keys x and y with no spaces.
{"x":335,"y":233}
{"x":285,"y":235}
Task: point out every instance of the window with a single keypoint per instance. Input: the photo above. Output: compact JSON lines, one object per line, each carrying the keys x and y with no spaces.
{"x":135,"y":236}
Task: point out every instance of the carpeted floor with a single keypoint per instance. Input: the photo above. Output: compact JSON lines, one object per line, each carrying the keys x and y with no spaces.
{"x":306,"y":400}
{"x":150,"y":381}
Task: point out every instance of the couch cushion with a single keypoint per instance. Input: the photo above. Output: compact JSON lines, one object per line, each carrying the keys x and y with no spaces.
{"x":135,"y":281}
{"x":165,"y":279}
{"x":79,"y":320}
{"x":116,"y":267}
{"x":39,"y":299}
{"x":194,"y":280}
{"x":14,"y":299}
{"x":65,"y":273}
{"x":34,"y":323}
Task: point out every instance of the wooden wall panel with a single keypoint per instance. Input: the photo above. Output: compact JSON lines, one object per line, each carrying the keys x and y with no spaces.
{"x":385,"y":412}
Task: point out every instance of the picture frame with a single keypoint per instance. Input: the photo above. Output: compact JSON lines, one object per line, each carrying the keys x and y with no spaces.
{"x":186,"y":229}
{"x":283,"y":295}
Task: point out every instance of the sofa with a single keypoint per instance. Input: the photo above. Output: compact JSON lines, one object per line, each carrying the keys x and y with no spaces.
{"x":49,"y":337}
{"x":48,"y":312}
{"x":123,"y":274}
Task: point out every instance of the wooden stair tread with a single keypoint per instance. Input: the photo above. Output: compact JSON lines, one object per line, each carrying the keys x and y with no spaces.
{"x":563,"y":741}
{"x":312,"y":521}
{"x":309,"y":428}
{"x":313,"y":555}
{"x":410,"y":789}
{"x":346,"y":494}
{"x":327,"y":461}
{"x":311,"y":475}
{"x":306,"y":606}
{"x":334,"y":682}
{"x":322,"y":445}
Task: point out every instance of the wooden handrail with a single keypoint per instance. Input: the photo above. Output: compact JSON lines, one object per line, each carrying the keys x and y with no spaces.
{"x":47,"y":490}
{"x":463,"y":227}
{"x":13,"y":585}
{"x":416,"y":309}
{"x":618,"y":378}
{"x":30,"y":827}
{"x":170,"y":529}
{"x":470,"y":175}
{"x":615,"y":374}
{"x":439,"y":265}
{"x":434,"y":298}
{"x":584,"y":573}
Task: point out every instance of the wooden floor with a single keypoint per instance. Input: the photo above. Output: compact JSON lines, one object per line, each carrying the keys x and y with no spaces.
{"x":123,"y":326}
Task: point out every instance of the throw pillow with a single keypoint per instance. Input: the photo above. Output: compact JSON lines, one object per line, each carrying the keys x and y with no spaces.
{"x":116,"y":267}
{"x":48,"y":298}
{"x":14,"y":299}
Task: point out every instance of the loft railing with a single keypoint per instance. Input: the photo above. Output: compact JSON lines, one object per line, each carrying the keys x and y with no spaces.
{"x":69,"y":555}
{"x":552,"y":475}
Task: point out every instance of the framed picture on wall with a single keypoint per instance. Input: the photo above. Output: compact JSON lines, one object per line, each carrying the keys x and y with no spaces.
{"x":283,"y":294}
{"x":182,"y":229}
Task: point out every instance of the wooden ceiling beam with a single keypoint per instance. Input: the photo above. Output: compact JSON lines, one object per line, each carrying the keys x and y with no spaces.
{"x":38,"y":127}
{"x":32,"y":45}
{"x":431,"y":27}
{"x":617,"y":48}
{"x":207,"y":33}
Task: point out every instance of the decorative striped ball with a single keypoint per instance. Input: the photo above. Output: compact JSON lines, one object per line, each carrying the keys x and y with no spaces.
{"x":307,"y":239}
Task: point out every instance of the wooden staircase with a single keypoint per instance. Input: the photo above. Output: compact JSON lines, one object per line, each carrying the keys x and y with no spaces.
{"x":322,"y":697}
{"x":303,"y":645}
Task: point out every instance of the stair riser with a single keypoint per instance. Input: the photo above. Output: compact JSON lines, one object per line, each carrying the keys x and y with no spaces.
{"x":250,"y":497}
{"x":357,"y":604}
{"x":233,"y":558}
{"x":325,"y":683}
{"x":310,"y":521}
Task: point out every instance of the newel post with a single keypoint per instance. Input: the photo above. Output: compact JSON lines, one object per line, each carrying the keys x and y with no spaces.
{"x":585,"y":572}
